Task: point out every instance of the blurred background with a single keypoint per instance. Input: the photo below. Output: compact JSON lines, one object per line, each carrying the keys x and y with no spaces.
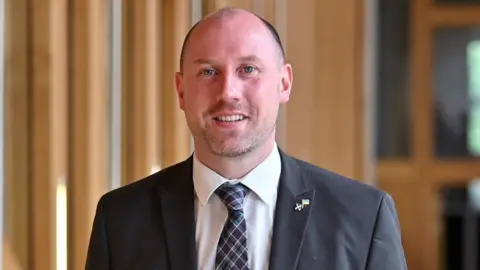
{"x":385,"y":91}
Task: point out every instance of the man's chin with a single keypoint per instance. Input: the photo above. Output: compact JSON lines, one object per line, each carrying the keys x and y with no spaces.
{"x":230,"y":150}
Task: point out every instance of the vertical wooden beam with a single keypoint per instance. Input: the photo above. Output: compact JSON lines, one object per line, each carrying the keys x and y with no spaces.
{"x":88,"y":179}
{"x":280,"y":21}
{"x":360,"y":116}
{"x":339,"y":90}
{"x":245,"y":4}
{"x":10,"y":260}
{"x":142,"y":88}
{"x":127,"y":29}
{"x":213,"y":5}
{"x":423,"y":136}
{"x":300,"y":116}
{"x":275,"y":11}
{"x":421,"y":34}
{"x":49,"y":92}
{"x":17,"y":133}
{"x":176,"y":136}
{"x":327,"y":90}
{"x":210,"y":6}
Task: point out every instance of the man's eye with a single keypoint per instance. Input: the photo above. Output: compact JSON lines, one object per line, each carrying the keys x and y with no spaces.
{"x":248,"y":69}
{"x":208,"y":72}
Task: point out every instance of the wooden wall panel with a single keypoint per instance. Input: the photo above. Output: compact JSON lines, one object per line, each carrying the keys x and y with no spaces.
{"x":155,"y":131}
{"x":49,"y":109}
{"x":300,"y":53}
{"x":326,"y":103}
{"x":88,"y":177}
{"x":275,"y":12}
{"x":210,"y":6}
{"x":17,"y":97}
{"x":141,"y":88}
{"x":176,"y":21}
{"x":338,"y":86}
{"x":10,"y":259}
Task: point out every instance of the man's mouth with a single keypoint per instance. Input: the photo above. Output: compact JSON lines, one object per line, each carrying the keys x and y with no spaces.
{"x":230,"y":118}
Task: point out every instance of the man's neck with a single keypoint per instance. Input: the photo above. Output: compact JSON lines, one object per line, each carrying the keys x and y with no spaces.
{"x":236,"y":167}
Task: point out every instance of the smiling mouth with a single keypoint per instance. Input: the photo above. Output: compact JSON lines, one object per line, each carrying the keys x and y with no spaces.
{"x":230,"y":118}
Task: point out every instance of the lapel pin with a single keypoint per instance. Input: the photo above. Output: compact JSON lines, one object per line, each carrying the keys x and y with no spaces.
{"x":298,"y":207}
{"x":303,"y":204}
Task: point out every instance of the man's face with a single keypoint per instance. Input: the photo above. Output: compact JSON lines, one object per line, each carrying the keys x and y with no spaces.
{"x":232,"y":84}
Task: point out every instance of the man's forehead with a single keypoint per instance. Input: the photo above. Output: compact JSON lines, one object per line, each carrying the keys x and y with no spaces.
{"x":230,"y":42}
{"x":228,"y":15}
{"x":233,"y":53}
{"x":237,"y":25}
{"x":231,"y":31}
{"x":244,"y":39}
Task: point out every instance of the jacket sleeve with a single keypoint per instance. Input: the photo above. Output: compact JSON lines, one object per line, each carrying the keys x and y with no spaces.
{"x":98,"y":252}
{"x":386,"y":249}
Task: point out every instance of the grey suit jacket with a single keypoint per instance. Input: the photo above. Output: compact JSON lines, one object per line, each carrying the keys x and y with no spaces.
{"x":347,"y":225}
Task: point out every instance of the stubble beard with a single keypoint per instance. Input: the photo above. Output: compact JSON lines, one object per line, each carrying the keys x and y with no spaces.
{"x":243,"y":145}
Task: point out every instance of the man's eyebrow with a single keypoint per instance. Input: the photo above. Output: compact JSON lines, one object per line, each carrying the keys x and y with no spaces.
{"x":203,"y":61}
{"x":248,"y":58}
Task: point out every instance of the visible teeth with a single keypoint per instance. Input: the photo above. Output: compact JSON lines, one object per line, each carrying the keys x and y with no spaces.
{"x":230,"y":118}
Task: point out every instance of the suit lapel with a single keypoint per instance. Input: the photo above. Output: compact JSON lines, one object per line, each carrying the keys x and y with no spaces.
{"x":294,"y":204}
{"x":177,"y":204}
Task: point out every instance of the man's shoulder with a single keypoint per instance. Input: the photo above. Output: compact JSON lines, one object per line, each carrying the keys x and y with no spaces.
{"x":338,"y":187}
{"x":144,"y":188}
{"x":344,"y":200}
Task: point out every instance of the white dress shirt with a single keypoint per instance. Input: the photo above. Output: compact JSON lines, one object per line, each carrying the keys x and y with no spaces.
{"x":259,"y":208}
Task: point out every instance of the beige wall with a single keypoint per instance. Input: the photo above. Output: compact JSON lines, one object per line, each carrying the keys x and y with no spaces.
{"x":58,"y":103}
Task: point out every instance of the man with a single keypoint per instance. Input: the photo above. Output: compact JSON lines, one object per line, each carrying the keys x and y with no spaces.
{"x":239,"y":202}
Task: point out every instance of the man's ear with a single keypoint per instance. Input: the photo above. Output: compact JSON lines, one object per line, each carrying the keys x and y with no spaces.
{"x":179,"y":88}
{"x":286,"y":83}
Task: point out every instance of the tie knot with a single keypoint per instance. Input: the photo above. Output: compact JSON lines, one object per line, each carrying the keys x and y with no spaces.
{"x":232,"y":195}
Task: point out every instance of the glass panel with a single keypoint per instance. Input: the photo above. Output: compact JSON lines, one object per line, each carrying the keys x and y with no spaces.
{"x":458,"y":1}
{"x":473,"y":133}
{"x":393,"y":97}
{"x":461,"y":224}
{"x":457,"y":92}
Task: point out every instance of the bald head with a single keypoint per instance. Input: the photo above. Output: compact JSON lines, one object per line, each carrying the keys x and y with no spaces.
{"x":226,"y":13}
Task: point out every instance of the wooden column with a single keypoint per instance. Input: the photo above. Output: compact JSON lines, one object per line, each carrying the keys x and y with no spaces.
{"x":339,"y":91}
{"x":210,"y":6}
{"x":300,"y":51}
{"x":17,"y":98}
{"x":49,"y":110}
{"x":141,"y":88}
{"x":9,"y":257}
{"x":176,"y":139}
{"x":88,"y":178}
{"x":327,"y":89}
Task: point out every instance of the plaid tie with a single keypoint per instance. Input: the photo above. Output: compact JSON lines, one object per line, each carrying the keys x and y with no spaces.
{"x":232,"y":246}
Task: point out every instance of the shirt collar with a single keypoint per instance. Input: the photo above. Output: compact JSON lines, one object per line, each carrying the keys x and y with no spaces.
{"x":262,"y":180}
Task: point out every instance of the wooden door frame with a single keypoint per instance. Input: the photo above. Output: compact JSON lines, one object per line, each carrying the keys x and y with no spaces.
{"x":415,"y":182}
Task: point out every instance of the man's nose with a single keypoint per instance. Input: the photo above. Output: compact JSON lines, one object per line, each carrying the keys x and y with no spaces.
{"x":230,"y":86}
